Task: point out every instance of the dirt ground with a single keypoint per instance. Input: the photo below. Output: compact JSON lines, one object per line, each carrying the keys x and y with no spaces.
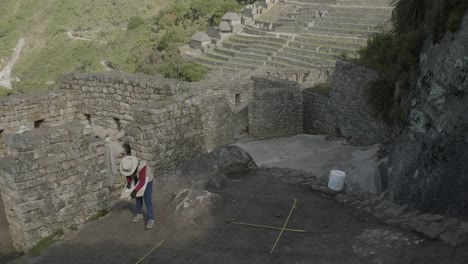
{"x":337,"y":234}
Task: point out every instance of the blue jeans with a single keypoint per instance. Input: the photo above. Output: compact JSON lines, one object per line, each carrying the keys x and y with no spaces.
{"x":148,"y":201}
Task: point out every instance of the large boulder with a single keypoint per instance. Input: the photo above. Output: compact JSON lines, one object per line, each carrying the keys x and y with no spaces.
{"x":210,"y":169}
{"x":192,"y":205}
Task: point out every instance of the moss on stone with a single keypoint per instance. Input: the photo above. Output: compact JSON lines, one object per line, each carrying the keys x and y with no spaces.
{"x":45,"y":243}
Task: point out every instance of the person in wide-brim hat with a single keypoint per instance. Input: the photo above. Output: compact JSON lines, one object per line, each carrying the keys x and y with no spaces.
{"x":139,"y":175}
{"x":128,"y":165}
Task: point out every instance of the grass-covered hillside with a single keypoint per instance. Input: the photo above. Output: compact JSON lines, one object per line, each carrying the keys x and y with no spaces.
{"x":92,"y":35}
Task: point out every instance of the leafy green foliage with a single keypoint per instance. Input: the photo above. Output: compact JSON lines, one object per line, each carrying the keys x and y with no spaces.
{"x":135,"y":22}
{"x":4,"y":92}
{"x":380,"y":96}
{"x":322,"y":88}
{"x":183,"y":70}
{"x":395,"y":55}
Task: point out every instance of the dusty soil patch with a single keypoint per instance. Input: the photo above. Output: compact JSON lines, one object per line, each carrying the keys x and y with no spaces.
{"x":338,"y":235}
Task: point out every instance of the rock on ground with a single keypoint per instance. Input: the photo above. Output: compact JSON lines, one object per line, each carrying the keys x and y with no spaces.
{"x":192,"y":205}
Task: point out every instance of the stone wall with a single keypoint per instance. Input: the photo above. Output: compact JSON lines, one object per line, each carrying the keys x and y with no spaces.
{"x":167,"y":132}
{"x":53,"y":178}
{"x":319,"y":117}
{"x":344,"y":112}
{"x":354,"y":119}
{"x":224,"y":103}
{"x":53,"y":108}
{"x":276,"y":108}
{"x":108,"y":98}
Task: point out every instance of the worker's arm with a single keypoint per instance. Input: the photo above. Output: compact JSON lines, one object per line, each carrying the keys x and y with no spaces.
{"x":141,"y":179}
{"x":129,"y":182}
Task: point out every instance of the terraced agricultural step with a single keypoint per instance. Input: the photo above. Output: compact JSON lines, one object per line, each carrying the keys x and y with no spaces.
{"x":320,"y":38}
{"x":213,"y":62}
{"x":264,"y":48}
{"x":259,"y":51}
{"x":262,"y":38}
{"x":321,"y":47}
{"x":306,"y":59}
{"x":311,"y":53}
{"x":338,"y":19}
{"x":350,"y":26}
{"x":364,"y":3}
{"x":247,"y":61}
{"x":329,"y":31}
{"x":241,"y":54}
{"x":346,"y":9}
{"x":231,"y":45}
{"x":284,"y":65}
{"x":253,"y":42}
{"x":296,"y":63}
{"x":217,"y":56}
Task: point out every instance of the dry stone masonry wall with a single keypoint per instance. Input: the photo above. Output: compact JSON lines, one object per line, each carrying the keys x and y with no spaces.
{"x":276,"y":108}
{"x":344,"y":112}
{"x":53,"y":177}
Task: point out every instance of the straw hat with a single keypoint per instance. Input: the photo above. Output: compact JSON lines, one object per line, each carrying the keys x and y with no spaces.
{"x":128,"y":165}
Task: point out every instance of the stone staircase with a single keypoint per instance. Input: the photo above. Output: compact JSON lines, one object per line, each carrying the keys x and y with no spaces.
{"x":310,"y":37}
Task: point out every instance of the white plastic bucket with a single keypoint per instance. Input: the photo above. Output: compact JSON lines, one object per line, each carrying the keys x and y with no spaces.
{"x":336,"y":181}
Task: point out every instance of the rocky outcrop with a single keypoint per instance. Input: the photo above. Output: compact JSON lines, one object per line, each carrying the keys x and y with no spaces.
{"x":429,"y":161}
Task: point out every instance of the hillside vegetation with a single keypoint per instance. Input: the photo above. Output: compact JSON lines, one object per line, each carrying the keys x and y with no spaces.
{"x":94,"y":35}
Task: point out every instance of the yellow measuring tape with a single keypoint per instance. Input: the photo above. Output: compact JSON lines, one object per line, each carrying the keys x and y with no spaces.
{"x":284,"y":226}
{"x":150,"y":252}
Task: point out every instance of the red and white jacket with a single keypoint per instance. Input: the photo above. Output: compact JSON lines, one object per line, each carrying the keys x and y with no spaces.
{"x":144,"y":176}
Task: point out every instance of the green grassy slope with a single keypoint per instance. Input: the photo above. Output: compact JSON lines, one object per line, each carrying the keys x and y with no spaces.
{"x":49,"y":51}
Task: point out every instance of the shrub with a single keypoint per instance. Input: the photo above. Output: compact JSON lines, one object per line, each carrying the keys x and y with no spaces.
{"x":322,"y":88}
{"x":135,"y":22}
{"x":380,"y":98}
{"x":182,"y":70}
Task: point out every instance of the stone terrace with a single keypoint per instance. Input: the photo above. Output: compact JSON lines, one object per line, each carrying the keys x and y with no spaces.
{"x":310,"y":35}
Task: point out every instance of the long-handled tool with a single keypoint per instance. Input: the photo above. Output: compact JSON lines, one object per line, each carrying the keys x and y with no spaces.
{"x":284,"y":226}
{"x":147,"y":254}
{"x":268,"y":227}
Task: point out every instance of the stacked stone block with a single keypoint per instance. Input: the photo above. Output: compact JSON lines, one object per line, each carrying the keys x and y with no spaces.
{"x":167,"y":132}
{"x":53,"y":108}
{"x":53,"y":178}
{"x":276,"y":108}
{"x":319,"y":116}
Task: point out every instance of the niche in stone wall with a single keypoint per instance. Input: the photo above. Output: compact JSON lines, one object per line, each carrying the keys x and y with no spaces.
{"x":127,"y":149}
{"x":1,"y":136}
{"x":88,"y":117}
{"x":38,"y":123}
{"x":237,"y":99}
{"x":118,"y":124}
